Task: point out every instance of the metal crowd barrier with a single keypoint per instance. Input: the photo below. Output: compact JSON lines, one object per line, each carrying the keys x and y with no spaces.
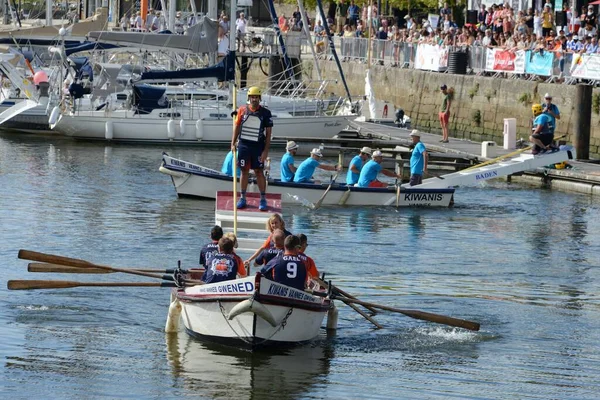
{"x":403,"y":55}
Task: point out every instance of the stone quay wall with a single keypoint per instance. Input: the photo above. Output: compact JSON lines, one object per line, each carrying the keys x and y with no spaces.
{"x":480,"y":103}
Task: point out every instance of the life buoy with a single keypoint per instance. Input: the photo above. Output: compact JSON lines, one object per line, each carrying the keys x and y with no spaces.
{"x":385,"y":111}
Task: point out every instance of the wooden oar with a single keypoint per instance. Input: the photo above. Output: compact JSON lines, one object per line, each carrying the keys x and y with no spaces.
{"x":44,"y":267}
{"x":73,"y":262}
{"x":35,"y":284}
{"x":337,"y":290}
{"x":361,"y":312}
{"x":320,"y":201}
{"x":344,"y":198}
{"x":440,"y":319}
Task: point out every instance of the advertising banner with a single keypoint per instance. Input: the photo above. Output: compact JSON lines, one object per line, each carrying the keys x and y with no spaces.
{"x":498,"y":60}
{"x":431,"y":57}
{"x":586,"y":66}
{"x":539,"y":62}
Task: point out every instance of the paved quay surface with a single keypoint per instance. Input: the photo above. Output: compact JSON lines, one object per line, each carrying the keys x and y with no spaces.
{"x":584,"y":177}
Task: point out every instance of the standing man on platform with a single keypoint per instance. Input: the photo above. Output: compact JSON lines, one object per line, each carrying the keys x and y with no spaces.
{"x":252,"y":137}
{"x":341,"y":12}
{"x":445,"y":113}
{"x":418,"y":159}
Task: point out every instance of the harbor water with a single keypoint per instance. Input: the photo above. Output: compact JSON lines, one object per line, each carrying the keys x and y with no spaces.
{"x":522,"y":261}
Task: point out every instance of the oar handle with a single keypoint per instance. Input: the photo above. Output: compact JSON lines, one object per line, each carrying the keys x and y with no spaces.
{"x":38,"y":284}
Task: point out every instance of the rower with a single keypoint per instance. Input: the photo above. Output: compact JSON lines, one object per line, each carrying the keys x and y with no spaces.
{"x":368,"y":174}
{"x":356,"y":165}
{"x":273,"y":223}
{"x":224,"y":265}
{"x":287,"y":162}
{"x":311,"y":267}
{"x":543,"y":130}
{"x":305,"y":171}
{"x":288,"y":269}
{"x":227,"y":167}
{"x":231,"y":236}
{"x":270,"y":253}
{"x":211,"y":248}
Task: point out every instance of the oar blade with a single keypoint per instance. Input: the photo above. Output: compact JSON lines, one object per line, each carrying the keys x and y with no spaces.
{"x":62,"y":269}
{"x":37,"y":284}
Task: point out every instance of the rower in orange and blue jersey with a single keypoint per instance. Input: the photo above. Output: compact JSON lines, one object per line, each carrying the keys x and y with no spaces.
{"x":311,"y":267}
{"x":224,"y":265}
{"x":288,"y":268}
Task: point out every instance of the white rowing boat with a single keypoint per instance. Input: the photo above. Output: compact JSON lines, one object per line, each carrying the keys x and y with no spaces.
{"x":192,"y":180}
{"x":251,"y":312}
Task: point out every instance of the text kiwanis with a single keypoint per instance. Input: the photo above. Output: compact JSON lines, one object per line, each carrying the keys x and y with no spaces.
{"x":283,"y":291}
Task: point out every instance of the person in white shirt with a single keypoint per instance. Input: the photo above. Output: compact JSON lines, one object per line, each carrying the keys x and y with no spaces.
{"x":149,"y":20}
{"x":179,"y":23}
{"x":240,"y":26}
{"x":223,"y":44}
{"x":138,"y":24}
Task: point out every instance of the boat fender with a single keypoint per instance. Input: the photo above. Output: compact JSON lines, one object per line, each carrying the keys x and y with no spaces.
{"x":199,"y":129}
{"x":332,"y":317}
{"x":171,"y":129}
{"x":175,"y":174}
{"x":254,"y":306}
{"x":54,"y":116}
{"x":108,"y":130}
{"x":173,"y":317}
{"x":182,"y":127}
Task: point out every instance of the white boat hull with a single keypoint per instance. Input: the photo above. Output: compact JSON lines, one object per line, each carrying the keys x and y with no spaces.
{"x":126,"y":126}
{"x":207,"y":313}
{"x":191,"y":180}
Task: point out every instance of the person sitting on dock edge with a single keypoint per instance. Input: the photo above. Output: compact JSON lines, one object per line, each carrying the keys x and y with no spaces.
{"x":356,"y":165}
{"x":211,"y":248}
{"x":270,"y":253}
{"x":368,"y":174}
{"x":287,"y":162}
{"x":227,"y":167}
{"x":543,"y":132}
{"x":307,"y":168}
{"x":252,"y":136}
{"x":418,"y":159}
{"x":224,"y":265}
{"x":287,"y":269}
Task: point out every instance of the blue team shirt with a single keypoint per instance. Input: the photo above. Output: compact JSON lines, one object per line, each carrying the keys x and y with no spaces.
{"x":267,"y":255}
{"x":351,"y":177}
{"x":417,"y":161}
{"x":546,"y":121}
{"x":368,"y":173}
{"x":554,"y":109}
{"x":288,"y":270}
{"x":207,"y":251}
{"x":227,"y":167}
{"x":286,"y":173}
{"x":306,"y":170}
{"x":220,"y":268}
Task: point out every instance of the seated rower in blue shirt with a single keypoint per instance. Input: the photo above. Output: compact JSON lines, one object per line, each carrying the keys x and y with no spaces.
{"x":368,"y":174}
{"x":288,"y":268}
{"x":224,"y":265}
{"x":288,"y":169}
{"x":305,"y":171}
{"x":227,"y":167}
{"x":356,"y":165}
{"x":269,"y":253}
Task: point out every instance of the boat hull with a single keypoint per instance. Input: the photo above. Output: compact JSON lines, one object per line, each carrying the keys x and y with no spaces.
{"x":128,"y":127}
{"x":209,"y":313}
{"x":192,"y":180}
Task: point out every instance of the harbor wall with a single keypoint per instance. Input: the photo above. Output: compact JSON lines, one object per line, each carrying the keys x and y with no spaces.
{"x":480,"y":103}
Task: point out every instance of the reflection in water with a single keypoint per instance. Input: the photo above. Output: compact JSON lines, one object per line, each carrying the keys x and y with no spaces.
{"x":225,"y":372}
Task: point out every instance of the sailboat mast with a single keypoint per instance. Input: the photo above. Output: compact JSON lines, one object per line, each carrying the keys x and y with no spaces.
{"x":369,"y":26}
{"x":144,"y":11}
{"x":48,"y":12}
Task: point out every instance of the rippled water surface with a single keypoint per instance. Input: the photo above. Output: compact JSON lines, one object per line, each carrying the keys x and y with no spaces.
{"x":521,"y":261}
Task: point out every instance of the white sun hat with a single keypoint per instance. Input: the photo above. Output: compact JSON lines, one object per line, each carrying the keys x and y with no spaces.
{"x":317,"y":152}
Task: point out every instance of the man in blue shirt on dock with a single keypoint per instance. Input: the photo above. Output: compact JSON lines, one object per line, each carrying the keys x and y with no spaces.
{"x":288,"y":169}
{"x":368,"y":174}
{"x":356,"y":165}
{"x":551,"y":109}
{"x":305,"y":171}
{"x":543,"y":131}
{"x":418,"y":159}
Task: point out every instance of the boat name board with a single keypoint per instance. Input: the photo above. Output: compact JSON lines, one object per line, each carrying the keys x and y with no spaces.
{"x":226,"y":287}
{"x":275,"y":289}
{"x":412,"y":197}
{"x":179,"y":164}
{"x":486,"y":175}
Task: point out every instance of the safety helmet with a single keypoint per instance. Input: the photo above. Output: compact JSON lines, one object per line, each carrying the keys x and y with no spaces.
{"x":254,"y":91}
{"x":537,"y":109}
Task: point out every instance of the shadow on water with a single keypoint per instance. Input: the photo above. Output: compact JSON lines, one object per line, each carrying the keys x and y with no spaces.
{"x":226,"y":372}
